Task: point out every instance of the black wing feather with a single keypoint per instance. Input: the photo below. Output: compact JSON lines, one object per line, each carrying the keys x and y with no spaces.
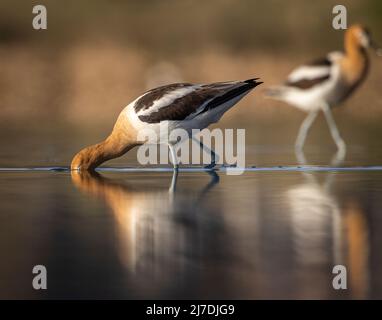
{"x":212,"y":95}
{"x":307,"y":83}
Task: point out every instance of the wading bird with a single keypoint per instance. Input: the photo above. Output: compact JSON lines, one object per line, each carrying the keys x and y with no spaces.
{"x":325,"y":83}
{"x":181,"y":105}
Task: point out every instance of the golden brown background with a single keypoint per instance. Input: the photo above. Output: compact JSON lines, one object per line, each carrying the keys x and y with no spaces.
{"x":96,"y":56}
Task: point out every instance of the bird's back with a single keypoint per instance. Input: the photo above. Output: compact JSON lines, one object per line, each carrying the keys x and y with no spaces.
{"x":186,"y":101}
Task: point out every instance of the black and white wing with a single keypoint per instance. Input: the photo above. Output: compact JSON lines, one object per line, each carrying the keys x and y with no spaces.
{"x":181,"y":101}
{"x":311,"y":74}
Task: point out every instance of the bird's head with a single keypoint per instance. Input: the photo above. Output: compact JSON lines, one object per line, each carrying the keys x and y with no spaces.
{"x":361,"y":35}
{"x":86,"y":159}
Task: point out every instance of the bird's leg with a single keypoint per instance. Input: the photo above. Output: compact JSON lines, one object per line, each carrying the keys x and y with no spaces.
{"x":300,"y":155}
{"x":174,"y":179}
{"x":305,"y":126}
{"x":334,"y":131}
{"x":214,"y":156}
{"x":338,"y":158}
{"x":173,"y":156}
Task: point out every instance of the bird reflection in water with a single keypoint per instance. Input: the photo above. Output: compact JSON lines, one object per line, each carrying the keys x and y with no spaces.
{"x":143,"y":215}
{"x":325,"y":233}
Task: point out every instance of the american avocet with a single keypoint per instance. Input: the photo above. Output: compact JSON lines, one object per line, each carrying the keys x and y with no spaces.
{"x":180,"y":105}
{"x":327,"y":82}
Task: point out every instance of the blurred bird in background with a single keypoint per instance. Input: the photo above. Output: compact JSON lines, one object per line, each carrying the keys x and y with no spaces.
{"x":326,"y":82}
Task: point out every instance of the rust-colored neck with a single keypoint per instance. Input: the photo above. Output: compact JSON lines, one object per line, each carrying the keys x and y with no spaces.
{"x":353,"y":47}
{"x":121,"y":140}
{"x":355,"y":63}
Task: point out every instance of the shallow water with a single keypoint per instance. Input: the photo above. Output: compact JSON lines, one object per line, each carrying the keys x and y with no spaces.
{"x":258,"y":235}
{"x":275,"y":231}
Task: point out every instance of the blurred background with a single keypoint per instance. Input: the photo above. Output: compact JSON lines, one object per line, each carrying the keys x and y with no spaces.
{"x":259,"y":235}
{"x":97,"y":56}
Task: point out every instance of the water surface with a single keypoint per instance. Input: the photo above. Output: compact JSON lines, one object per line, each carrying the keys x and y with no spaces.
{"x":275,"y":231}
{"x":125,"y":235}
